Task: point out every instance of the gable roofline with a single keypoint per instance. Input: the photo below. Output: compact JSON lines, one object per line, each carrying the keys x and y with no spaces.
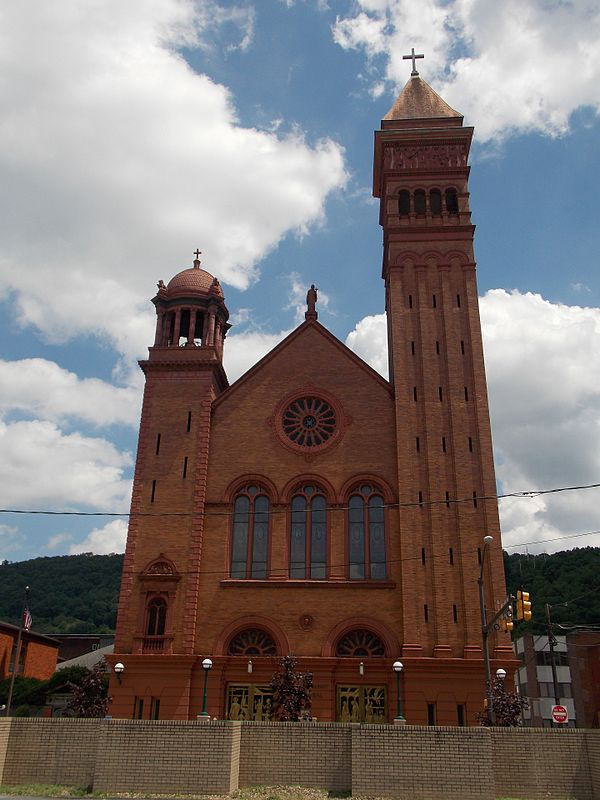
{"x":286,"y":342}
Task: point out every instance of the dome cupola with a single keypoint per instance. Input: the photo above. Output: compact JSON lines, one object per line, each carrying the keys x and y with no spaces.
{"x":191,"y":310}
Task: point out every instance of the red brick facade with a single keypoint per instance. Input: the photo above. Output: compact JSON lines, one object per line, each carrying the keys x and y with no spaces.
{"x":361,"y":500}
{"x":38,"y":653}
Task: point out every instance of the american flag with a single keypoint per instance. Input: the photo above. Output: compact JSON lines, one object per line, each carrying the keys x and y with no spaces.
{"x":27,"y":621}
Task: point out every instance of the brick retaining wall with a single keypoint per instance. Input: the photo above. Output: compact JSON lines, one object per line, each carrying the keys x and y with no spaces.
{"x":423,"y":763}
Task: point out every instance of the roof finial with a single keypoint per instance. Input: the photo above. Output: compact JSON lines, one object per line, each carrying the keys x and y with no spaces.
{"x":197,"y":253}
{"x":311,"y":301}
{"x":413,"y":57}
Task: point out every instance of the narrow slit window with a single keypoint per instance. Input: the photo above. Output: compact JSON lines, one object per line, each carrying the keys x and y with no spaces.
{"x":153,"y":493}
{"x":418,"y":444}
{"x":410,"y":301}
{"x":421,"y":497}
{"x":447,"y":499}
{"x":466,"y":394}
{"x":437,"y":347}
{"x":455,"y":613}
{"x":412,"y":348}
{"x":474,"y":499}
{"x":440,"y":393}
{"x":189,"y":421}
{"x":460,"y":715}
{"x":443,"y":444}
{"x":431,"y":713}
{"x":470,"y":444}
{"x":426,"y":613}
{"x":458,"y":300}
{"x":434,"y":301}
{"x":451,"y":556}
{"x":185,"y":466}
{"x":415,"y":393}
{"x":157,"y":443}
{"x":423,"y":555}
{"x":462,"y":347}
{"x":479,"y":555}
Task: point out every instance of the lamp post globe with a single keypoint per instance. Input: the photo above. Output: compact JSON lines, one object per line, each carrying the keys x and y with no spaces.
{"x":398,"y":666}
{"x":501,"y":674}
{"x":206,"y":666}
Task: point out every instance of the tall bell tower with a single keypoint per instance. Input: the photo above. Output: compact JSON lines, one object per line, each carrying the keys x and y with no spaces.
{"x":444,"y":445}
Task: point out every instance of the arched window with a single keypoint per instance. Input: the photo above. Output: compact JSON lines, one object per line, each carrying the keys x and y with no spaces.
{"x":451,"y":201}
{"x":435,"y":202}
{"x":404,"y":203}
{"x":366,"y":534}
{"x":359,"y":643}
{"x":308,"y":533}
{"x":156,"y":617}
{"x":250,"y":540}
{"x":420,"y":206}
{"x":252,"y":642}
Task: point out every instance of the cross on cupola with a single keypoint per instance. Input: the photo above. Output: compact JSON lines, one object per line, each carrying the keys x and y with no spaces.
{"x":413,"y":57}
{"x":197,"y":253}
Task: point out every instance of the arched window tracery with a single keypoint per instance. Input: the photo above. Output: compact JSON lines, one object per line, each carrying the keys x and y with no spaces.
{"x":252,"y":642}
{"x":308,"y":533}
{"x":420,"y":202}
{"x":250,"y":537}
{"x":156,"y":617}
{"x":360,"y":643}
{"x":366,"y":533}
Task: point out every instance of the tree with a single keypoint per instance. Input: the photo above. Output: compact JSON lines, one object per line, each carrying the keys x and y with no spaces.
{"x":291,"y":691}
{"x":90,"y":697}
{"x":508,"y":707}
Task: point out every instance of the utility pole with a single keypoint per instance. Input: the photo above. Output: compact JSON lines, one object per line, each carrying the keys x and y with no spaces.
{"x":552,"y":644}
{"x":17,"y":653}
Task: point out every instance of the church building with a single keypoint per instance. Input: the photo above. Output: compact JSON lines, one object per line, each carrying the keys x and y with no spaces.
{"x":312,"y":507}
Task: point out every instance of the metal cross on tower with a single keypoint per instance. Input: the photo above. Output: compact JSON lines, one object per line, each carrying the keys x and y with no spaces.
{"x":413,"y":57}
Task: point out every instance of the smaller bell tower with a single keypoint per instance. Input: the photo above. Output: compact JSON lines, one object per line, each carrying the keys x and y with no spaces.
{"x":184,"y":374}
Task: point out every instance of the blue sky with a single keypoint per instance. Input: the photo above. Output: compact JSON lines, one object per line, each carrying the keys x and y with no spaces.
{"x":130,"y":134}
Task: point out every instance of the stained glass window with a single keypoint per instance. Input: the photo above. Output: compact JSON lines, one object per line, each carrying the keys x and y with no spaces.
{"x":308,"y":533}
{"x":366,"y":534}
{"x":250,"y":539}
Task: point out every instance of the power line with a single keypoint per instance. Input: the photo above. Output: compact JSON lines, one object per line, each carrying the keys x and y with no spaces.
{"x":526,"y":494}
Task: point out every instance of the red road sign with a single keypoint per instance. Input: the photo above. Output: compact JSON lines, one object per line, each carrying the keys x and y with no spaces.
{"x":560,"y":714}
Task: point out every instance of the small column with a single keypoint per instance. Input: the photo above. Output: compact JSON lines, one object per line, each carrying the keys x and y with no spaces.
{"x":211,"y":328}
{"x":191,"y":327}
{"x":160,"y":324}
{"x":176,"y":330}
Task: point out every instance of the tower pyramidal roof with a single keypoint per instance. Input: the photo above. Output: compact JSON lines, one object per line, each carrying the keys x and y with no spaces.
{"x":419,"y":101}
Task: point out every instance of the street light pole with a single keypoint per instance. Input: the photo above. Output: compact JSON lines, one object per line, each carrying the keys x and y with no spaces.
{"x":398,"y":666}
{"x":206,"y":666}
{"x":487,"y":540}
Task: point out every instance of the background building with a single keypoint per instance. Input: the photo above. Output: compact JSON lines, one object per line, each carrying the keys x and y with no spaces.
{"x":577,"y":658}
{"x":313,"y":507}
{"x":37,"y":657}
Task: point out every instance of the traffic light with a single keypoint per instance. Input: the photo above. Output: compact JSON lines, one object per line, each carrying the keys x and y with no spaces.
{"x":507,"y":620}
{"x":523,"y":606}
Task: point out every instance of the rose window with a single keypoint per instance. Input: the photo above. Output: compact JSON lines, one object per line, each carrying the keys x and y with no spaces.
{"x":360,"y":643}
{"x":309,"y":422}
{"x":252,"y":642}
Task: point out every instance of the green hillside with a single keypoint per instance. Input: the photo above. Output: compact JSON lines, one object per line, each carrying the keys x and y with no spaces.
{"x":79,"y":594}
{"x":68,"y":594}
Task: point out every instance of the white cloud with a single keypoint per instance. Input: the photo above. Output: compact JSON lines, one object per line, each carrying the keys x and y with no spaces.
{"x":42,"y":466}
{"x":495,"y":62}
{"x":369,"y":341}
{"x":42,"y":389}
{"x":544,"y":387}
{"x":103,"y":541}
{"x":113,"y":153}
{"x":245,"y":349}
